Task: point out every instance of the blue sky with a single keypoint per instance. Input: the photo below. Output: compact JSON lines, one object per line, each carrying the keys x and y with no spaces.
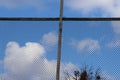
{"x":94,"y":43}
{"x":72,"y":8}
{"x":30,"y":47}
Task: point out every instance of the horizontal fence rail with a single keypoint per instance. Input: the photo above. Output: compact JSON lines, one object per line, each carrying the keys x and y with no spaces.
{"x":56,"y":19}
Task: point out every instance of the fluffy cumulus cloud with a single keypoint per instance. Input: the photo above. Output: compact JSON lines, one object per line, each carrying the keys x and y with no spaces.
{"x":28,"y":62}
{"x":89,"y":45}
{"x":50,"y":39}
{"x":108,"y":7}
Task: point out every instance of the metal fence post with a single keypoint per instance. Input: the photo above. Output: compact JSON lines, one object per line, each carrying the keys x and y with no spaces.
{"x":59,"y":42}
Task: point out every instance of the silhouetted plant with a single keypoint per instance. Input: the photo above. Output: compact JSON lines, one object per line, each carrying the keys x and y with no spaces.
{"x":84,"y":74}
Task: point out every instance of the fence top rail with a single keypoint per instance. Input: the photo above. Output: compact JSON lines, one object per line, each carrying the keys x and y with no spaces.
{"x":56,"y":19}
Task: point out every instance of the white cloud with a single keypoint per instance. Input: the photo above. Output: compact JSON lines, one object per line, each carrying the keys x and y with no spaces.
{"x":89,"y":45}
{"x":108,"y":7}
{"x":108,"y":76}
{"x":28,"y":62}
{"x":1,"y":65}
{"x":50,"y":39}
{"x":116,"y":28}
{"x":114,"y":44}
{"x":69,"y":66}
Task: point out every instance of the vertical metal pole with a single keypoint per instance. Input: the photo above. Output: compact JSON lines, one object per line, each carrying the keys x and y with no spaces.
{"x":59,"y":41}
